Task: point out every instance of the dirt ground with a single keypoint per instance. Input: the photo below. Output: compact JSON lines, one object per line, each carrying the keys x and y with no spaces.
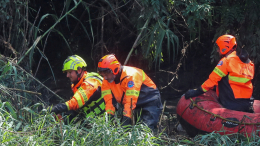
{"x":169,"y":123}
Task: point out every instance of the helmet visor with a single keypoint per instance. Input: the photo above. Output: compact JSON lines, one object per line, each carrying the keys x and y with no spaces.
{"x":104,"y":71}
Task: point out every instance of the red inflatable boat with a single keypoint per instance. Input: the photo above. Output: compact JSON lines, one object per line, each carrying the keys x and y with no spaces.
{"x":204,"y":114}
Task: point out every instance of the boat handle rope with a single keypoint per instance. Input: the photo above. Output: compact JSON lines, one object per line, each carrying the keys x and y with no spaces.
{"x":193,"y":104}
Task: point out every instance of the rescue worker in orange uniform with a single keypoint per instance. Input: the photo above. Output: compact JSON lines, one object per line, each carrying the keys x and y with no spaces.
{"x":232,"y":76}
{"x":132,"y":88}
{"x":86,"y":87}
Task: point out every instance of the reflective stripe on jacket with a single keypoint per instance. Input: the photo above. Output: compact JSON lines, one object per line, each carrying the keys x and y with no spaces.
{"x":238,"y":75}
{"x":87,"y":95}
{"x":133,"y":84}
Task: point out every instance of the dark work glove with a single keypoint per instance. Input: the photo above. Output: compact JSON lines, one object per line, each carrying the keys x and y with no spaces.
{"x":193,"y":93}
{"x":59,"y":108}
{"x":126,"y":121}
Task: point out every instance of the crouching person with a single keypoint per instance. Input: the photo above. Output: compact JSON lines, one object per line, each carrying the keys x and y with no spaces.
{"x":87,"y":100}
{"x":130,"y":87}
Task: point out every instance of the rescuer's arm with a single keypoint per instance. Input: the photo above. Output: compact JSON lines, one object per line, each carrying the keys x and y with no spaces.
{"x":107,"y":95}
{"x":133,"y":86}
{"x":80,"y":97}
{"x":216,"y":75}
{"x":193,"y":93}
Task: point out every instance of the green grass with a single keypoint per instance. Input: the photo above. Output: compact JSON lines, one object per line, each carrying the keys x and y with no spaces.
{"x":44,"y":130}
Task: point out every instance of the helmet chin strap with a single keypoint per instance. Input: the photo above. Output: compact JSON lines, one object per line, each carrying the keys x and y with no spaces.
{"x":229,"y":52}
{"x":78,"y":75}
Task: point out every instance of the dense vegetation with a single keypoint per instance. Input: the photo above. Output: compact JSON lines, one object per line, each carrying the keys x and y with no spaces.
{"x":25,"y":120}
{"x":173,"y":37}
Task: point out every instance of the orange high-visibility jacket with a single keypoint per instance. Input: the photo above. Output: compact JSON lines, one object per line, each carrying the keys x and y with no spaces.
{"x":85,"y":92}
{"x":133,"y":84}
{"x":238,"y":74}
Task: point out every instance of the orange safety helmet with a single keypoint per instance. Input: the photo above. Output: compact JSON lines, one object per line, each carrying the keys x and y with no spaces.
{"x":109,"y":62}
{"x":226,"y":43}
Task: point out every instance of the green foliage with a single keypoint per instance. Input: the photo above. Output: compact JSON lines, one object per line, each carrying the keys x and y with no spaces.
{"x":157,"y":31}
{"x":196,"y":19}
{"x":20,"y":93}
{"x":23,"y":36}
{"x":241,"y":19}
{"x":195,"y":11}
{"x":238,"y":18}
{"x":57,"y":20}
{"x":168,"y":23}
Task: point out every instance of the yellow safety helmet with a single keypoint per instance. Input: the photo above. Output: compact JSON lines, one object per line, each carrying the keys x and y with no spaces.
{"x":73,"y":62}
